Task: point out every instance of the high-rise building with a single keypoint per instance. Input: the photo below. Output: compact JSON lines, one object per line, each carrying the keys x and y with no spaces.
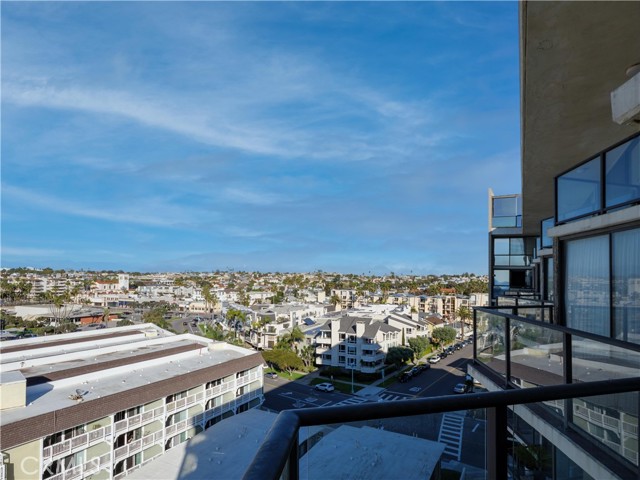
{"x":571,"y":242}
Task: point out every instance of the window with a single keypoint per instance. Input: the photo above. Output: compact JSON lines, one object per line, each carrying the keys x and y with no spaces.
{"x":341,"y":359}
{"x":545,"y":240}
{"x":341,"y":348}
{"x":548,"y":275}
{"x":622,"y":173}
{"x":586,"y":292}
{"x":351,"y":350}
{"x":626,"y":285}
{"x":578,"y":191}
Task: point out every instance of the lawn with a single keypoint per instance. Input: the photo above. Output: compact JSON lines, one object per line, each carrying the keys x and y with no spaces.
{"x":285,"y":375}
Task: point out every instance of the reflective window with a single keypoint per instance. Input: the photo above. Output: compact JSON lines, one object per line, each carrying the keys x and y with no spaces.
{"x":501,"y":246}
{"x":546,"y":240}
{"x":579,"y":191}
{"x":622,"y":173}
{"x":626,"y":285}
{"x":548,"y":283}
{"x":586,"y":293}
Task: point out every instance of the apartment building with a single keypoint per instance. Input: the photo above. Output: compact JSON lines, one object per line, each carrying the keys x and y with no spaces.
{"x":569,"y":245}
{"x":355,"y":343}
{"x":101,"y":404}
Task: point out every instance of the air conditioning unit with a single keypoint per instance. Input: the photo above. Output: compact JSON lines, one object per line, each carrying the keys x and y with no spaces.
{"x":625,"y":102}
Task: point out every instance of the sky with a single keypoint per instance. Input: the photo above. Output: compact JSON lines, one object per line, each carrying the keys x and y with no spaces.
{"x":346,"y":137}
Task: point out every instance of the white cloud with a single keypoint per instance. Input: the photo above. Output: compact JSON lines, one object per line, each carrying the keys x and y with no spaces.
{"x":149,"y":211}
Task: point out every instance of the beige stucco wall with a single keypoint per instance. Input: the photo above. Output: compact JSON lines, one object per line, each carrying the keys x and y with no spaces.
{"x":24,"y":461}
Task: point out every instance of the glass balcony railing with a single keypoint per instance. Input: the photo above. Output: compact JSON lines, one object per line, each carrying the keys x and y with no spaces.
{"x":506,"y":211}
{"x":585,"y":384}
{"x":526,"y":353}
{"x":606,"y":182}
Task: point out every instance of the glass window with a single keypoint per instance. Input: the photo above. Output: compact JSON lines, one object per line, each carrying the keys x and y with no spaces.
{"x":505,"y":206}
{"x":501,"y":246}
{"x":517,"y":246}
{"x":626,"y":285}
{"x":622,"y":173}
{"x":547,"y":241}
{"x":548,"y":283}
{"x":586,"y":292}
{"x":579,"y":191}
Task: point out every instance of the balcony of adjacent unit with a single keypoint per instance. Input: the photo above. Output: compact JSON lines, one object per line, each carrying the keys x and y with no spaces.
{"x":560,"y":403}
{"x":76,"y":439}
{"x":518,"y":350}
{"x":606,"y":182}
{"x":505,"y":211}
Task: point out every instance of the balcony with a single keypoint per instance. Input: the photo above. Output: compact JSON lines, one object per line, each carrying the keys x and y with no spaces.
{"x":76,"y":443}
{"x":86,"y":469}
{"x":138,"y":420}
{"x":568,"y":378}
{"x":608,"y":181}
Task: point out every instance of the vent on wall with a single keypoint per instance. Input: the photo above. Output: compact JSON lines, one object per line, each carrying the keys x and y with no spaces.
{"x":625,"y":100}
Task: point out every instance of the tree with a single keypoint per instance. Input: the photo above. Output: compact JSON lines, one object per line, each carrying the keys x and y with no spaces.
{"x":419,"y":345}
{"x":59,"y":307}
{"x":283,"y":360}
{"x":465,"y":315}
{"x":443,"y":335}
{"x":399,"y":356}
{"x":308,"y":355}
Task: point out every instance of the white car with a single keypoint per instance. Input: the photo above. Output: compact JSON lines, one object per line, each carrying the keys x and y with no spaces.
{"x":434,"y":359}
{"x":325,"y":387}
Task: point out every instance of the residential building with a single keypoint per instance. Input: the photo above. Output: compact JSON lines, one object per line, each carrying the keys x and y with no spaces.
{"x":570,"y":243}
{"x":100,"y":404}
{"x":355,"y":343}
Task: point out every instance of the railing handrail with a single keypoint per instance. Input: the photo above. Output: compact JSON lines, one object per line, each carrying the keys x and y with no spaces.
{"x":272,"y":455}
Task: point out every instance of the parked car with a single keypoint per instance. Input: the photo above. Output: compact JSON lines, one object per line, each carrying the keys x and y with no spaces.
{"x":415,"y":371}
{"x":434,"y":359}
{"x":460,"y":388}
{"x":405,"y":377}
{"x":458,"y":346}
{"x":325,"y":387}
{"x":271,"y":375}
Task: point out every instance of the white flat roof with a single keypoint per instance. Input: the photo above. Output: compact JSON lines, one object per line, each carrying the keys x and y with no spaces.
{"x":363,"y":453}
{"x":54,"y":395}
{"x":225,"y":450}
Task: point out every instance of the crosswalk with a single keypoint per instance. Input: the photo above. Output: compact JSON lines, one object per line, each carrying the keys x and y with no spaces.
{"x":392,"y":397}
{"x":451,"y":434}
{"x":351,"y":401}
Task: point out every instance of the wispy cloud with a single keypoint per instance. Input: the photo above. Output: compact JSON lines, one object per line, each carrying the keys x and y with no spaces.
{"x":31,"y":252}
{"x":150,"y":212}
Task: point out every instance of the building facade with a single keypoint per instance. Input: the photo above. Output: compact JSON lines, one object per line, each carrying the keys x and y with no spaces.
{"x":101,"y":404}
{"x":569,"y":246}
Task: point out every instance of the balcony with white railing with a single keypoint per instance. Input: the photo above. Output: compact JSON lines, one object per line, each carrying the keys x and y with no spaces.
{"x":137,"y":445}
{"x":139,"y":419}
{"x":76,"y":443}
{"x":185,"y":402}
{"x":88,"y":468}
{"x":3,"y":471}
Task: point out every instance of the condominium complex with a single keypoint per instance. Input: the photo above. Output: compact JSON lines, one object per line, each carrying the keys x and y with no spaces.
{"x":565,"y":254}
{"x":355,"y":343}
{"x":100,"y":404}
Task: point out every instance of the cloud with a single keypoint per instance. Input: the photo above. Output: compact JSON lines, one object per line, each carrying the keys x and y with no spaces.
{"x":252,"y":197}
{"x":31,"y":252}
{"x":155,"y":212}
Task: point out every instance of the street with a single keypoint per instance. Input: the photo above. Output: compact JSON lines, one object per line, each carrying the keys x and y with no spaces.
{"x":461,"y":432}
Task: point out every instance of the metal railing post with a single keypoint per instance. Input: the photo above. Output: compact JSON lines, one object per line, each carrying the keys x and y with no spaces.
{"x":294,"y":460}
{"x":497,"y":438}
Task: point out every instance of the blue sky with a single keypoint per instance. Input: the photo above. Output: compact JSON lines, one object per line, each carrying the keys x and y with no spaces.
{"x":351,"y":137}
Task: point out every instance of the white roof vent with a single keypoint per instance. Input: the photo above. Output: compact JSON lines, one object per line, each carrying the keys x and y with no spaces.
{"x":625,"y":100}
